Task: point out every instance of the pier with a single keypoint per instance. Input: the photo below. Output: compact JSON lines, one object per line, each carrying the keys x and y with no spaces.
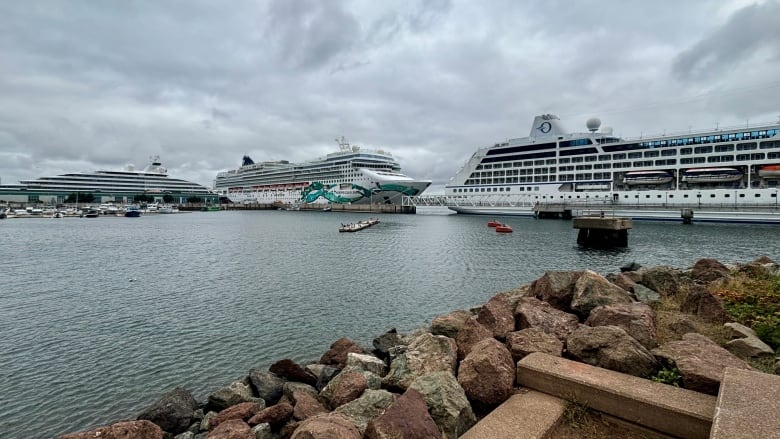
{"x":601,"y":231}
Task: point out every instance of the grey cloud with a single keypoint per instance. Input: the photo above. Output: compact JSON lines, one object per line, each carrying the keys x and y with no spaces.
{"x":748,"y":31}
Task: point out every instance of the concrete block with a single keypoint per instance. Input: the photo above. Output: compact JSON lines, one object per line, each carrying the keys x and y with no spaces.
{"x":530,"y":415}
{"x":747,"y":407}
{"x":664,"y":408}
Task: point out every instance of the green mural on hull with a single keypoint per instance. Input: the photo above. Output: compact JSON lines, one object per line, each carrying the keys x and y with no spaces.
{"x":316,"y":190}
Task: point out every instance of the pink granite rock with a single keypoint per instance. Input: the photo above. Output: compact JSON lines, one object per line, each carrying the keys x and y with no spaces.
{"x":498,"y":317}
{"x":487,"y":373}
{"x":470,"y":334}
{"x":121,"y":430}
{"x":406,"y":418}
{"x":337,"y":354}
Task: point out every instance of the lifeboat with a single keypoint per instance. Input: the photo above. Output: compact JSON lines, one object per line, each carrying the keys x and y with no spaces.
{"x":493,"y":223}
{"x":503,"y":228}
{"x":647,"y":177}
{"x":769,"y":171}
{"x":711,"y":175}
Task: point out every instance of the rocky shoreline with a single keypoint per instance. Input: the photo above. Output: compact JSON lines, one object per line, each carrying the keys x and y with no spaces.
{"x":438,"y":381}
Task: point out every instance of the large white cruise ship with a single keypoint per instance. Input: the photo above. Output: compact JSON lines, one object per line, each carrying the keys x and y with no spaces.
{"x":727,"y":174}
{"x":119,"y":186}
{"x":350,"y":175}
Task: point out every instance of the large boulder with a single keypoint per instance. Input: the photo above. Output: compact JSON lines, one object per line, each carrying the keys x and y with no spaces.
{"x":701,"y":361}
{"x":556,"y":288}
{"x":708,"y":270}
{"x":327,"y":426}
{"x":370,"y":405}
{"x":447,"y":403}
{"x":121,"y":430}
{"x":592,"y":290}
{"x":637,"y":319}
{"x":622,"y":280}
{"x":645,"y":295}
{"x":242,"y":411}
{"x":266,"y":385}
{"x":487,"y":374}
{"x":345,"y":387}
{"x":367,"y":363}
{"x":448,"y":325}
{"x":533,"y":313}
{"x":406,"y":418}
{"x":746,"y":342}
{"x":173,"y":412}
{"x":529,"y":340}
{"x":290,"y":387}
{"x":337,"y":354}
{"x":498,"y":317}
{"x":661,"y":279}
{"x":612,"y":348}
{"x":306,"y":405}
{"x":389,"y":342}
{"x":232,"y":429}
{"x":236,"y":393}
{"x":274,"y":416}
{"x":425,"y":354}
{"x":470,"y":334}
{"x":704,"y":304}
{"x":292,"y":371}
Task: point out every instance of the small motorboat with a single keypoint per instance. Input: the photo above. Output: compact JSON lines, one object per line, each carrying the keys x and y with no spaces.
{"x":503,"y":228}
{"x":494,"y":223}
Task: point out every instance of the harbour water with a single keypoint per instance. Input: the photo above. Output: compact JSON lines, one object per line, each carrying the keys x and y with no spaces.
{"x":99,"y":317}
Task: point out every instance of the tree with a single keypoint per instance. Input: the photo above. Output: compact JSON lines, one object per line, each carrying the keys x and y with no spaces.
{"x":194,"y":200}
{"x":168,"y":198}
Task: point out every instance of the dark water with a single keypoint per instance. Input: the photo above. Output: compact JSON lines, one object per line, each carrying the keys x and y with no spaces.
{"x":99,"y":317}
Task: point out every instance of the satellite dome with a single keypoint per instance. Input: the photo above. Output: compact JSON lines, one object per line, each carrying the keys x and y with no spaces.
{"x":593,"y":124}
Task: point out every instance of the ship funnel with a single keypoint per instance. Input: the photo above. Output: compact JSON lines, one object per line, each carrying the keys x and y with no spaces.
{"x":546,"y":125}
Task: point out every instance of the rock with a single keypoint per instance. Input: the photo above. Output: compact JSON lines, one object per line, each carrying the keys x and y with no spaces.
{"x":470,"y":334}
{"x":205,"y":423}
{"x":236,"y":393}
{"x":612,"y":348}
{"x":529,"y":340}
{"x":637,"y":319}
{"x":664,"y":280}
{"x":368,"y":363}
{"x":293,"y":371}
{"x":645,"y":295}
{"x":708,"y":270}
{"x":447,"y":403}
{"x":533,"y":313}
{"x":406,"y":418}
{"x":763,"y":260}
{"x":631,"y":266}
{"x":337,"y":354}
{"x":777,"y":366}
{"x":327,"y":426}
{"x":142,"y":429}
{"x":498,"y":317}
{"x":262,"y":431}
{"x":749,"y":347}
{"x":173,"y":412}
{"x":623,"y":281}
{"x":425,"y":354}
{"x":682,"y":325}
{"x":387,"y":342}
{"x":185,"y":435}
{"x":704,"y":304}
{"x":275,"y":415}
{"x":306,"y":405}
{"x":738,"y":330}
{"x":232,"y":429}
{"x":556,"y":288}
{"x":592,"y":290}
{"x":370,"y":405}
{"x":755,"y":271}
{"x":266,"y":385}
{"x":487,"y":373}
{"x":242,"y":411}
{"x":291,"y":387}
{"x":345,"y":387}
{"x":323,"y":373}
{"x":448,"y":325}
{"x":700,"y":361}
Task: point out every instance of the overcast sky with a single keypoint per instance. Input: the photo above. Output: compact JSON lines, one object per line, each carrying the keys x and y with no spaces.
{"x":88,"y":85}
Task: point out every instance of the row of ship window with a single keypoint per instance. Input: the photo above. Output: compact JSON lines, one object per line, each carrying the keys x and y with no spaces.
{"x":635,"y":155}
{"x":695,"y":140}
{"x":536,"y":188}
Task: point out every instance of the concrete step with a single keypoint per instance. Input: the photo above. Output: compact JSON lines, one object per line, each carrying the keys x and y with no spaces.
{"x":527,"y":415}
{"x":748,"y":406}
{"x":666,"y":409}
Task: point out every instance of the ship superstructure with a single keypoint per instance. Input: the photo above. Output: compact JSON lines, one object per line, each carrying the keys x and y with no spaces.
{"x":349,"y":175}
{"x":729,"y":174}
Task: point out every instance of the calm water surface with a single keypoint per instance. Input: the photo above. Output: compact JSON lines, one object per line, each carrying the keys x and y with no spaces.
{"x":99,"y":317}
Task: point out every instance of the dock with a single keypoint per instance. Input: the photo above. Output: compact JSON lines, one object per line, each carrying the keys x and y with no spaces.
{"x":602,"y":232}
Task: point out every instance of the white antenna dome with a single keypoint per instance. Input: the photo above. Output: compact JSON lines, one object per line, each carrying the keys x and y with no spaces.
{"x":593,"y":124}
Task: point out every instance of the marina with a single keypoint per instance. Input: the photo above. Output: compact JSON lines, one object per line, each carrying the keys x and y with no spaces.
{"x":730,"y":174}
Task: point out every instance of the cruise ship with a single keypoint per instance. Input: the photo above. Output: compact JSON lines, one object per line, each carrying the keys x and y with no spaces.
{"x":724,"y":175}
{"x":117,"y":186}
{"x":349,"y":175}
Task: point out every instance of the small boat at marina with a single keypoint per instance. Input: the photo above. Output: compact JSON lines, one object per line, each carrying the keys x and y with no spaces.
{"x":360,"y":225}
{"x":92,"y":213}
{"x":132,"y":212}
{"x":494,"y":223}
{"x":503,"y":228}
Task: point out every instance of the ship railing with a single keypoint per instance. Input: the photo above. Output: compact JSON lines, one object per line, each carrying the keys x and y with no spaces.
{"x":448,"y":200}
{"x":610,"y":204}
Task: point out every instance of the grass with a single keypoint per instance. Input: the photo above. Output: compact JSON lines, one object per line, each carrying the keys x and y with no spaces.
{"x":580,"y":422}
{"x":753,"y":300}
